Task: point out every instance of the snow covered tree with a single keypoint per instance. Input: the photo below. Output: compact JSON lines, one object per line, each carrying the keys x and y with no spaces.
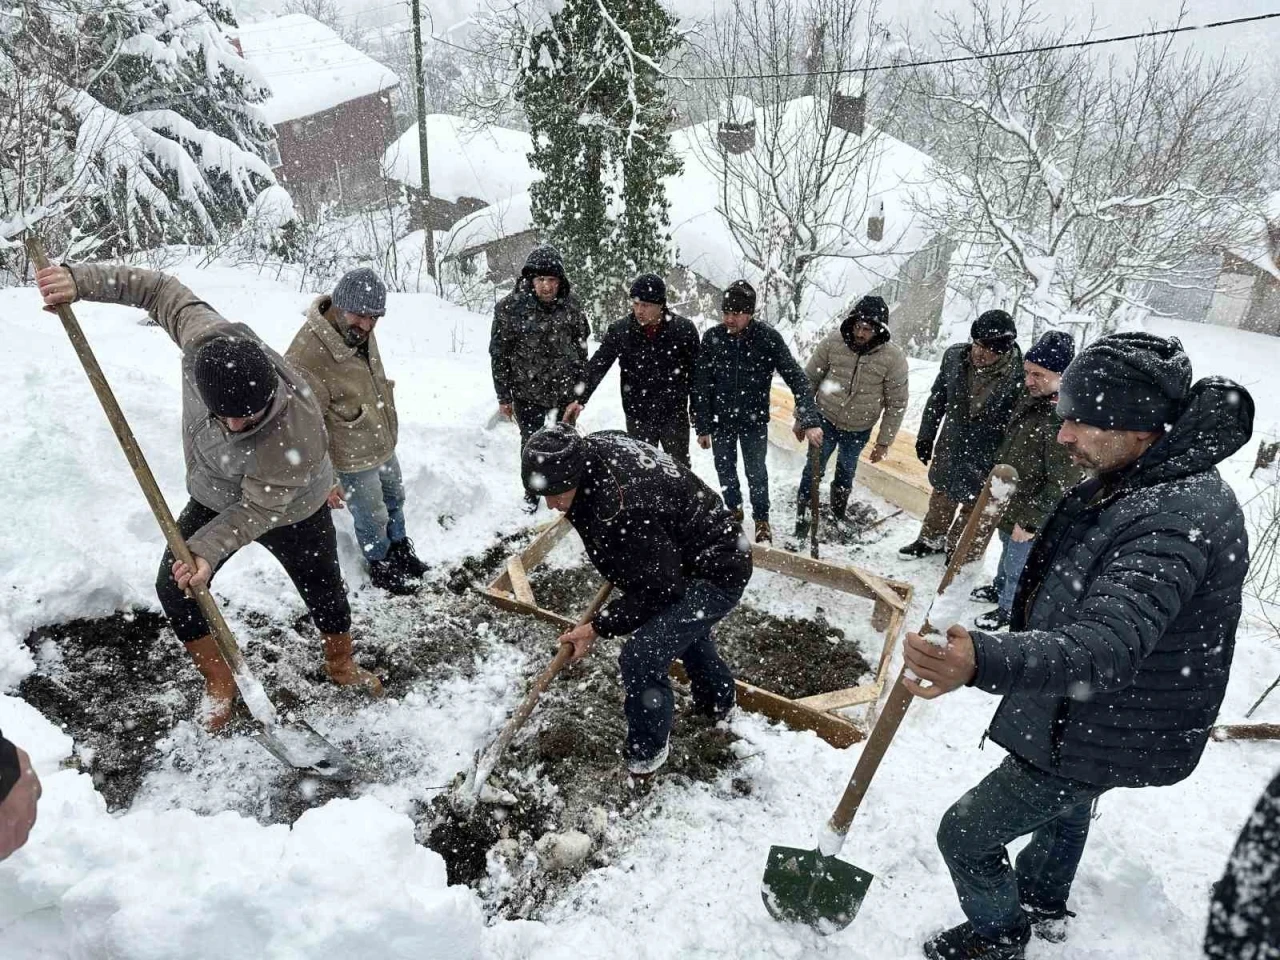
{"x":127,"y":123}
{"x":591,"y":82}
{"x":1077,"y":180}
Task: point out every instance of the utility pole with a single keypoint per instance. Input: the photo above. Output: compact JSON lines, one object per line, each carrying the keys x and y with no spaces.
{"x":420,"y":93}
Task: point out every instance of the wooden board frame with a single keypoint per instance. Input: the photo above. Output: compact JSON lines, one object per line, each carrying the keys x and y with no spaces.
{"x":510,"y":590}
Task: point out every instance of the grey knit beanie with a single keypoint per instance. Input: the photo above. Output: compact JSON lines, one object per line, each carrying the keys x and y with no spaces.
{"x":360,"y":291}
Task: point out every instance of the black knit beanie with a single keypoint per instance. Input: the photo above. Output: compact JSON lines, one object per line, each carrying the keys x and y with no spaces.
{"x":740,"y":297}
{"x":553,"y":460}
{"x":235,"y":377}
{"x":1053,"y":351}
{"x":995,"y":330}
{"x":649,"y":288}
{"x":1127,"y":381}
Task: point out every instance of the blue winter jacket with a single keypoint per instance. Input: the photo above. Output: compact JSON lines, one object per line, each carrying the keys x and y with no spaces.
{"x":1125,"y":618}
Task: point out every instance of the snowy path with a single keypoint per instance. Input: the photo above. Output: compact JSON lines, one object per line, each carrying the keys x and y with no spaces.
{"x":349,"y":880}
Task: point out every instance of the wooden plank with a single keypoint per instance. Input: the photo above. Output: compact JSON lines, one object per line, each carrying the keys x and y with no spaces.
{"x":544,"y":543}
{"x":891,"y":637}
{"x":508,"y":602}
{"x":520,"y":582}
{"x":847,"y":579}
{"x":839,"y":699}
{"x":834,"y":730}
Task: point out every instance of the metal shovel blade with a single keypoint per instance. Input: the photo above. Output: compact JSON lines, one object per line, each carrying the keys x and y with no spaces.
{"x":301,"y":747}
{"x":803,"y":886}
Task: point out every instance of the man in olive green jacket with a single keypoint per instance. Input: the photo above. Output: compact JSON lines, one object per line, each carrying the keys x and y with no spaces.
{"x":858,"y":378}
{"x":258,"y":468}
{"x":1045,"y":470}
{"x":337,"y":351}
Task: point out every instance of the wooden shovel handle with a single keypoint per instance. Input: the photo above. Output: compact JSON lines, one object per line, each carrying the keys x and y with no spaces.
{"x":900,"y":697}
{"x":222,"y":635}
{"x":815,"y":483}
{"x":1246,"y":731}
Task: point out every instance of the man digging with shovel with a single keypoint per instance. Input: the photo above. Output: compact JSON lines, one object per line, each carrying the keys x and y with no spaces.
{"x":1122,"y":636}
{"x":258,"y":468}
{"x":665,"y":540}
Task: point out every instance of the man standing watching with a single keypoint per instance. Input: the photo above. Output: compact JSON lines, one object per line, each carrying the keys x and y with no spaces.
{"x":1045,"y":470}
{"x":337,"y":351}
{"x":858,"y":378}
{"x":258,"y":468}
{"x":666,"y":542}
{"x":538,"y":346}
{"x":731,"y":384}
{"x":1122,"y":636}
{"x":656,"y":349}
{"x":972,"y":399}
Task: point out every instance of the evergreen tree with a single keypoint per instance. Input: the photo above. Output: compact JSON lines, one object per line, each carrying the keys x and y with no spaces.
{"x":143,"y":116}
{"x":591,"y":83}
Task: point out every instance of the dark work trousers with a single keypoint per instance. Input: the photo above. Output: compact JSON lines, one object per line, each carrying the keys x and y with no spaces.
{"x":682,"y":631}
{"x":754,"y":440}
{"x":308,"y":551}
{"x":532,"y":418}
{"x":672,"y":435}
{"x":1014,"y":800}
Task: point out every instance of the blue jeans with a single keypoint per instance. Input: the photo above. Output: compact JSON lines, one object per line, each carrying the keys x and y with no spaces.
{"x":376,"y":501}
{"x":1014,"y":800}
{"x":681,"y":631}
{"x":1012,"y":560}
{"x":754,"y":440}
{"x":850,"y":444}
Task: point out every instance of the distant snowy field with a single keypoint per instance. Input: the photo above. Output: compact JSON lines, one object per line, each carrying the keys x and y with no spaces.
{"x":348,"y":880}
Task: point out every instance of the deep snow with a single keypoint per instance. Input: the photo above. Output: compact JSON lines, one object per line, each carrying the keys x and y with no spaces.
{"x":348,"y":879}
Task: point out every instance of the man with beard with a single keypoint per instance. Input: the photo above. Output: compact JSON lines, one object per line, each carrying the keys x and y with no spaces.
{"x":858,"y":378}
{"x":337,"y":351}
{"x":1121,"y":640}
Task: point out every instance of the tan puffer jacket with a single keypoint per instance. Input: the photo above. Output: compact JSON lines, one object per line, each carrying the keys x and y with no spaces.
{"x":352,"y":389}
{"x":853,"y":390}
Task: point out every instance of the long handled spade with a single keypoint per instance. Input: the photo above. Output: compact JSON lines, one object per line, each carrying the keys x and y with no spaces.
{"x":296,"y":744}
{"x":815,"y":887}
{"x":475,"y":781}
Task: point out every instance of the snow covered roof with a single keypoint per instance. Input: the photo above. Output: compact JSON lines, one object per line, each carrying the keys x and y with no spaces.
{"x":308,"y":67}
{"x":467,"y":160}
{"x":894,"y":174}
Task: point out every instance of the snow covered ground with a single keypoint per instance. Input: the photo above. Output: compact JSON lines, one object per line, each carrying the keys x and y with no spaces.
{"x":348,"y":879}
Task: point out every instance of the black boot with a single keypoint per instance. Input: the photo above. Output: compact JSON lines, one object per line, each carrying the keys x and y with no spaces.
{"x":920,"y":548}
{"x":402,"y":553}
{"x":738,"y":515}
{"x":839,"y":501}
{"x":987,"y":593}
{"x":530,"y":503}
{"x":1048,"y":925}
{"x":963,"y":943}
{"x":995,"y":619}
{"x":390,"y":576}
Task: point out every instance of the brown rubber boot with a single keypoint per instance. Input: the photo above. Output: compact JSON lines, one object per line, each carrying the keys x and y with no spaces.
{"x":219,"y":684}
{"x":343,"y":670}
{"x":764,"y":533}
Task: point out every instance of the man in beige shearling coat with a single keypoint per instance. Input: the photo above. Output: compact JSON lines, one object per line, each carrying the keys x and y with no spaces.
{"x":257,"y":462}
{"x":337,"y":352}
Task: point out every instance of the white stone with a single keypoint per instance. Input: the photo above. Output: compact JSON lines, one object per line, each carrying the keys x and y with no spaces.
{"x":562,"y":851}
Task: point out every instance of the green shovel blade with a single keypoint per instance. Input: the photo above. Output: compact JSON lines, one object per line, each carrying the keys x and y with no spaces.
{"x":803,"y":886}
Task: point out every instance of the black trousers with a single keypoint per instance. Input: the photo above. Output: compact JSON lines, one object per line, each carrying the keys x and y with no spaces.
{"x":672,"y":435}
{"x":308,"y":551}
{"x":532,"y":418}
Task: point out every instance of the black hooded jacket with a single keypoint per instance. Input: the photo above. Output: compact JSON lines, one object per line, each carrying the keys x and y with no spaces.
{"x":1244,"y":914}
{"x":1124,"y":623}
{"x":538,"y":351}
{"x":656,"y":371}
{"x":734,"y":375}
{"x":650,"y":525}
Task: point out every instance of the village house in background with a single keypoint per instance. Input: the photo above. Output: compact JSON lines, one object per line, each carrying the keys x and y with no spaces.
{"x":1237,"y":288}
{"x":473,"y":167}
{"x":895,"y":256}
{"x":330,"y":106}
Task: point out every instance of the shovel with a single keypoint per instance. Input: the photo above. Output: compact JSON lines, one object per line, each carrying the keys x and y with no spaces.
{"x":474,"y":784}
{"x":807,"y":523}
{"x":815,"y":887}
{"x":297,"y":744}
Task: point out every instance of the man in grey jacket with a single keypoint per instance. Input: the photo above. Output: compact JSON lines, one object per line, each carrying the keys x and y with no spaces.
{"x":1121,"y":641}
{"x":257,"y":462}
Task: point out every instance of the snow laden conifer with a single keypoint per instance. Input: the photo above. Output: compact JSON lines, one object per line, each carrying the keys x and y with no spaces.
{"x":126,"y":123}
{"x":591,"y":81}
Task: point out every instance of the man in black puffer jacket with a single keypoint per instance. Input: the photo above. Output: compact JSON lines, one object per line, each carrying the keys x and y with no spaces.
{"x":656,"y":350}
{"x":731,"y":385}
{"x":1122,"y":635}
{"x":664,"y":539}
{"x":538,"y":345}
{"x":19,"y":792}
